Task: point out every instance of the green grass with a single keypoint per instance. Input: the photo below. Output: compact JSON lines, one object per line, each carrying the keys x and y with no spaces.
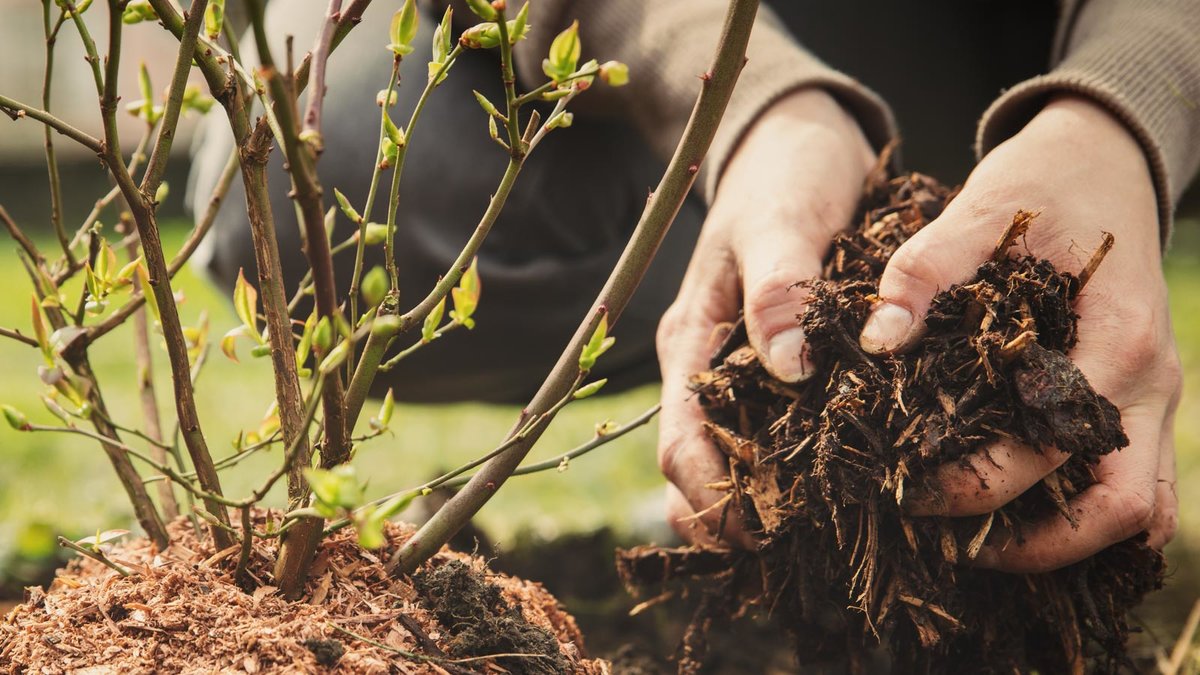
{"x":66,"y":481}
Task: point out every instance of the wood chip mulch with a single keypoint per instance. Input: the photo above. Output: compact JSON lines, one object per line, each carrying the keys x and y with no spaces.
{"x":180,"y":611}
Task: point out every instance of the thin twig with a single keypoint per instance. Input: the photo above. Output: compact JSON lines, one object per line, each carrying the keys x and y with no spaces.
{"x":716,"y":87}
{"x":94,"y":555}
{"x":16,"y":110}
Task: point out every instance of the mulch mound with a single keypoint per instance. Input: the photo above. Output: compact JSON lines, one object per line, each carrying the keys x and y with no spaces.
{"x":818,"y":471}
{"x":182,"y":611}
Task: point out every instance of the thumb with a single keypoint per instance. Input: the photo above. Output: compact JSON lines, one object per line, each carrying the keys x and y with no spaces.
{"x":945,"y":252}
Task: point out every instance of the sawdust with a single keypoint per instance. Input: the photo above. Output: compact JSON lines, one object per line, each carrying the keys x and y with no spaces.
{"x":181,"y":611}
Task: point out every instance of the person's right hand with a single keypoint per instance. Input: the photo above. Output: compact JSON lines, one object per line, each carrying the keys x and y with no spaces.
{"x":794,"y":181}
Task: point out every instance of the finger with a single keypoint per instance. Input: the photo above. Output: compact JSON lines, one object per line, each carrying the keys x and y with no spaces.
{"x":683,"y":520}
{"x":983,"y":481}
{"x":945,"y":252}
{"x":1166,"y":502}
{"x":1120,"y":505}
{"x":773,"y":259}
{"x":687,"y":336}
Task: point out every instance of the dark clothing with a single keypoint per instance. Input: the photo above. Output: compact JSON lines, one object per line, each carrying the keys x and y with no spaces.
{"x":581,"y":192}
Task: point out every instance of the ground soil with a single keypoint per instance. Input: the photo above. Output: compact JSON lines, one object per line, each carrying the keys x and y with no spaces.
{"x":818,"y":472}
{"x":181,"y":611}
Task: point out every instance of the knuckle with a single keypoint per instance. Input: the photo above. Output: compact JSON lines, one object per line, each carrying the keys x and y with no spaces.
{"x":1134,"y":511}
{"x":913,"y":267}
{"x":774,"y":297}
{"x":670,"y":449}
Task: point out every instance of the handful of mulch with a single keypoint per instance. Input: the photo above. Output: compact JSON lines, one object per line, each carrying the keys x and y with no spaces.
{"x":818,"y":471}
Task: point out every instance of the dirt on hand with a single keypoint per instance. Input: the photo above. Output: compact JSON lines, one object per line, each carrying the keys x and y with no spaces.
{"x":181,"y":611}
{"x":819,"y":471}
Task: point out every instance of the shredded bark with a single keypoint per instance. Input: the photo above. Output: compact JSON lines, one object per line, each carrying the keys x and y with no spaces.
{"x":181,"y":610}
{"x":819,"y":471}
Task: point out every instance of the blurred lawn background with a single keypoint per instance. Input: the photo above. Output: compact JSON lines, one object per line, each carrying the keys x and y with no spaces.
{"x":53,"y":483}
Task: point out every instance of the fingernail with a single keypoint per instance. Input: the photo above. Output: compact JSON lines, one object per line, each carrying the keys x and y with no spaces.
{"x":887,"y":329}
{"x":787,"y":356}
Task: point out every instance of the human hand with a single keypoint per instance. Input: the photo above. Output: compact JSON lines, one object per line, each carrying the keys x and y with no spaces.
{"x":794,"y":181}
{"x":1087,"y":174}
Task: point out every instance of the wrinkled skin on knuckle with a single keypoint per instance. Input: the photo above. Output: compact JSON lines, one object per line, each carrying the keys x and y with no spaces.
{"x":771,"y":294}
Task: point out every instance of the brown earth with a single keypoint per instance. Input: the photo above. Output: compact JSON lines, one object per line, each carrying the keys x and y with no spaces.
{"x":818,"y":472}
{"x":181,"y":611}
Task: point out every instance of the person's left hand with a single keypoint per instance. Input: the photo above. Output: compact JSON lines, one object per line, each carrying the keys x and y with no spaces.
{"x":1087,"y":174}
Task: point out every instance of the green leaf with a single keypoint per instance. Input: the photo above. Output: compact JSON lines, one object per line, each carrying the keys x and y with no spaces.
{"x":518,"y":28}
{"x":404,"y":28}
{"x":564,"y":54}
{"x":395,"y":505}
{"x":323,"y":335}
{"x":336,"y":357}
{"x":148,"y":290}
{"x":589,"y":389}
{"x":245,"y":303}
{"x":596,"y":346}
{"x":433,"y":320}
{"x":102,"y":538}
{"x":80,"y":8}
{"x":394,"y":133}
{"x":337,"y":488}
{"x":485,"y":104}
{"x":376,"y":234}
{"x":195,"y":99}
{"x":138,"y":11}
{"x":214,"y":18}
{"x":15,"y":418}
{"x":369,"y":527}
{"x":441,"y":45}
{"x":347,"y":208}
{"x":304,"y":348}
{"x":466,"y":296}
{"x":483,"y":9}
{"x":229,"y":343}
{"x":375,"y":285}
{"x":39,"y":331}
{"x":481,"y":36}
{"x":386,"y":410}
{"x":562,"y":120}
{"x":614,"y":73}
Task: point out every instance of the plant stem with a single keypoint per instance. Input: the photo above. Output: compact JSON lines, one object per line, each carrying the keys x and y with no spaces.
{"x":361,"y":245}
{"x":377,"y":343}
{"x":142,"y":211}
{"x":147,"y":516}
{"x":512,"y":122}
{"x":56,"y":214}
{"x":455,"y":477}
{"x":320,"y":57}
{"x":201,"y":229}
{"x":16,"y":110}
{"x":94,"y":555}
{"x":716,"y":87}
{"x":298,"y":547}
{"x":145,"y":380}
{"x":170,"y":119}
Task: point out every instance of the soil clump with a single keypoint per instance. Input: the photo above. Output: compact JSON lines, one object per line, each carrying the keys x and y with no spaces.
{"x":818,"y":471}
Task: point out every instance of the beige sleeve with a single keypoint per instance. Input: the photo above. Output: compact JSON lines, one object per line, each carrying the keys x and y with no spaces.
{"x":1138,"y":58}
{"x":667,"y":45}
